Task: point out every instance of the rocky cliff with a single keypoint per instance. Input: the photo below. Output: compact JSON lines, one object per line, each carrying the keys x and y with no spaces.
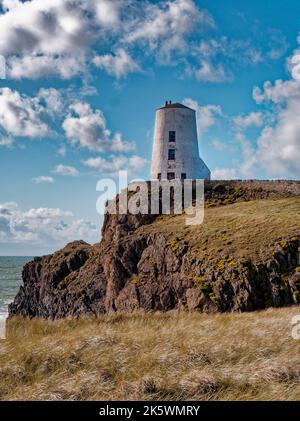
{"x":244,"y":257}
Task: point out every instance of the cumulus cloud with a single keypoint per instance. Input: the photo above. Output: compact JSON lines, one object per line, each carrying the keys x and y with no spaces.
{"x":277,"y":148}
{"x":20,"y":115}
{"x":249,"y":157}
{"x":66,"y":170}
{"x":43,"y":179}
{"x":108,"y":12}
{"x":6,"y":142}
{"x":62,"y":151}
{"x":52,"y":100}
{"x":207,"y":115}
{"x":240,"y":52}
{"x":37,"y":66}
{"x":218,"y":145}
{"x":224,"y":174}
{"x":209,"y":52}
{"x":208,"y":72}
{"x":45,"y":37}
{"x":62,"y":37}
{"x":280,"y":92}
{"x":51,"y":226}
{"x":166,"y":26}
{"x":279,"y":145}
{"x":206,"y":55}
{"x":87,"y":128}
{"x":246,"y":166}
{"x":46,"y":213}
{"x":111,"y":166}
{"x":59,"y":37}
{"x":242,"y":122}
{"x":118,"y":64}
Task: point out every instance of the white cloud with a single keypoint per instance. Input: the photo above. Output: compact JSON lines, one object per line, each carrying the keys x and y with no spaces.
{"x":20,"y":114}
{"x":277,"y":93}
{"x":87,"y":128}
{"x":52,"y":99}
{"x":279,"y":146}
{"x":62,"y":37}
{"x":46,"y":213}
{"x":66,"y":170}
{"x":6,"y":142}
{"x":36,"y":66}
{"x":111,"y":166}
{"x":43,"y":179}
{"x":224,"y":174}
{"x":277,"y":45}
{"x":166,"y":26}
{"x":245,"y":167}
{"x":208,"y":72}
{"x":118,"y":64}
{"x":242,"y":122}
{"x":238,"y":51}
{"x":249,"y":159}
{"x":218,"y":145}
{"x":62,"y":151}
{"x":108,"y":12}
{"x":207,"y":115}
{"x":207,"y":54}
{"x":45,"y":37}
{"x":52,"y":226}
{"x":59,"y":37}
{"x":232,"y":53}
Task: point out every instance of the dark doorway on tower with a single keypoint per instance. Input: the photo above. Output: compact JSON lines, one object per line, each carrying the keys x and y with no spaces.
{"x":171,"y":176}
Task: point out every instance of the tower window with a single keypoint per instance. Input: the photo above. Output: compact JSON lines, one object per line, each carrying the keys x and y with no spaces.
{"x":172,"y":136}
{"x":171,"y":176}
{"x":159,"y":176}
{"x":171,"y":155}
{"x":183,"y":176}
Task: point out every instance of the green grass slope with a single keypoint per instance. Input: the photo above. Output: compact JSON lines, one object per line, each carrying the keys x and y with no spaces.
{"x":244,"y":229}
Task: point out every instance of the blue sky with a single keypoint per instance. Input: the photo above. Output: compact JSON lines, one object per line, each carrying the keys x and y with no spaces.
{"x":83,"y":80}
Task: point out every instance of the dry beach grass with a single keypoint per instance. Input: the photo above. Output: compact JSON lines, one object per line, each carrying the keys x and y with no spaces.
{"x":153,"y":356}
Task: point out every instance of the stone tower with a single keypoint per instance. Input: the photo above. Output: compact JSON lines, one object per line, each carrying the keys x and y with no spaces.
{"x":175,"y":148}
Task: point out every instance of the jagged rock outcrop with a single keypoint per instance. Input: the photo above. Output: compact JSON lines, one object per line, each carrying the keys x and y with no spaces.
{"x":134,"y":269}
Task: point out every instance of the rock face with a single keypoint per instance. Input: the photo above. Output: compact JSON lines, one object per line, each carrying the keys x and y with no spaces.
{"x":130,"y":270}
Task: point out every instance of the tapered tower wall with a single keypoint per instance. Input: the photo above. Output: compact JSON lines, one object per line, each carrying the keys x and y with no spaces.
{"x":185,"y":161}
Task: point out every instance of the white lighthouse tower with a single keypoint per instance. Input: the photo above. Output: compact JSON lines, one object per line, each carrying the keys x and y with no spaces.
{"x":175,"y":152}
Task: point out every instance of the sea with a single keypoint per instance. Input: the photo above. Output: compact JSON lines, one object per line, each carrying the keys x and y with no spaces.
{"x":10,"y":281}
